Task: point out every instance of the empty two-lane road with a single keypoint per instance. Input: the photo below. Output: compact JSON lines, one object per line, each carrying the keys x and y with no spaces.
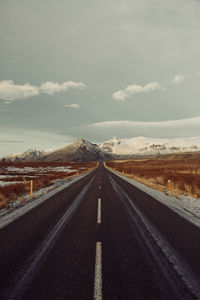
{"x":100,"y":238}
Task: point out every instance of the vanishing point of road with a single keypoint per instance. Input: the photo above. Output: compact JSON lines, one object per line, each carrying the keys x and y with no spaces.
{"x":100,"y":238}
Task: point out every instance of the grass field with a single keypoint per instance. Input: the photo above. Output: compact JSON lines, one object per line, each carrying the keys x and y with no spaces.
{"x":184,"y":174}
{"x":15,"y":177}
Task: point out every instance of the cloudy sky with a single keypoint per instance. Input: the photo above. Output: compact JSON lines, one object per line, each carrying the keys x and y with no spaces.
{"x":97,"y":69}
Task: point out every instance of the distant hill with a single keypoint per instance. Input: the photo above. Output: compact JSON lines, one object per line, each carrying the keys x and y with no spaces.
{"x":31,"y":154}
{"x":185,"y":155}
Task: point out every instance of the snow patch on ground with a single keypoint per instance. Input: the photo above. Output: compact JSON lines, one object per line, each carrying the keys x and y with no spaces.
{"x":3,"y":183}
{"x":18,"y":208}
{"x":10,"y":172}
{"x":39,"y":169}
{"x":186,"y":206}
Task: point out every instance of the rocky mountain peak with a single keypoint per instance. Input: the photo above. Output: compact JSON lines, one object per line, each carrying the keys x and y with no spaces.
{"x":79,"y":143}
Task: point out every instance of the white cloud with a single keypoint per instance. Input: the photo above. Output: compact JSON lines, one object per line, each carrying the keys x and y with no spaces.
{"x":76,"y":106}
{"x":50,"y":87}
{"x":10,"y":91}
{"x":178,"y":79}
{"x":134,"y":89}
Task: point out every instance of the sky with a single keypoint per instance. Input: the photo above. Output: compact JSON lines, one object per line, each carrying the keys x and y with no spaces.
{"x":96,"y":69}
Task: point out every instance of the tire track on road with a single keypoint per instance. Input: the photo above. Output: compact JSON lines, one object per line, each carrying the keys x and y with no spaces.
{"x":41,"y":253}
{"x":176,"y":272}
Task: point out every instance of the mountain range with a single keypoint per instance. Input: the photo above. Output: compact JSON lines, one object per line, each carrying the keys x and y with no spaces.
{"x":83,"y":150}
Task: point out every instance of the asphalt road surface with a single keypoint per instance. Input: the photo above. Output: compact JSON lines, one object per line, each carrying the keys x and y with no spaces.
{"x":100,"y":238}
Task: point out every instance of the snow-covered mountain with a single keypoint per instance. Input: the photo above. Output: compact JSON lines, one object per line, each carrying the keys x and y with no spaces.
{"x":150,"y":146}
{"x":83,"y":150}
{"x":80,"y":150}
{"x":30,"y":154}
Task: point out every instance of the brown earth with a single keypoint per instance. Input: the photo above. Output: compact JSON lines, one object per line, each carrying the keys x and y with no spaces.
{"x":12,"y":192}
{"x":183,"y":172}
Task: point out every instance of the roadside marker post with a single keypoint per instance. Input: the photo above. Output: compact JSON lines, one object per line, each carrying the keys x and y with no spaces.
{"x":25,"y":182}
{"x":31,"y":189}
{"x":170,"y":186}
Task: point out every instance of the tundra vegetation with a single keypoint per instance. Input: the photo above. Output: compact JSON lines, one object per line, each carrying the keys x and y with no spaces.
{"x":184,"y":174}
{"x":15,"y":177}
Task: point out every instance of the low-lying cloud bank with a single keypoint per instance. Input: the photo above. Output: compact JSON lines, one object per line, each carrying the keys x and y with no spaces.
{"x":10,"y":91}
{"x":19,"y":140}
{"x":172,"y":128}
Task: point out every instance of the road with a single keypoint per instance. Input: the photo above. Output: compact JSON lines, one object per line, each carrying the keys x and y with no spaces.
{"x":100,"y":238}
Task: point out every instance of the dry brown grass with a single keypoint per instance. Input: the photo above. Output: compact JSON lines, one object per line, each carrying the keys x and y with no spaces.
{"x":14,"y":191}
{"x":3,"y":201}
{"x":184,"y":174}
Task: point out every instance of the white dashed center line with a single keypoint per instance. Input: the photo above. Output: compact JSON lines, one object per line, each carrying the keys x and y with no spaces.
{"x":99,"y":212}
{"x":100,"y":187}
{"x":98,"y":273}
